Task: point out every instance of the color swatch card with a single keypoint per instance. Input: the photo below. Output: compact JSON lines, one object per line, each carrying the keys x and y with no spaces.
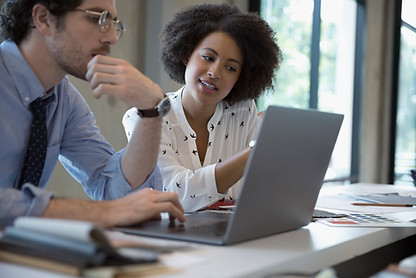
{"x":366,"y":220}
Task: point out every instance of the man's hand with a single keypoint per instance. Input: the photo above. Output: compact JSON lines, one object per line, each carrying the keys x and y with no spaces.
{"x":143,"y":205}
{"x":134,"y":208}
{"x":116,"y":77}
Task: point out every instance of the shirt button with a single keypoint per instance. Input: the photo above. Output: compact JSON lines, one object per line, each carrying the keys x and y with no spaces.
{"x":27,"y":98}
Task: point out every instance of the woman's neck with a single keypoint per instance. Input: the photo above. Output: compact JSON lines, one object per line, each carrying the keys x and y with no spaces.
{"x":195,"y":111}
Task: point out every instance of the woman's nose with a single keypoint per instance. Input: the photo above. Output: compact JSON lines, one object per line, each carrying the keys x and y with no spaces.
{"x":214,"y":72}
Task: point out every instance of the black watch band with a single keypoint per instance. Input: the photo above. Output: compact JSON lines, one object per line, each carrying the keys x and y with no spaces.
{"x":160,"y":110}
{"x":148,"y":113}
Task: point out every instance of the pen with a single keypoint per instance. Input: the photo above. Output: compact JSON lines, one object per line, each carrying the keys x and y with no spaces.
{"x":382,"y":204}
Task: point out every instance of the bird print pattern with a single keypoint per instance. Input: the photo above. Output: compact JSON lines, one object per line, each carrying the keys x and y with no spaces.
{"x":230,"y":129}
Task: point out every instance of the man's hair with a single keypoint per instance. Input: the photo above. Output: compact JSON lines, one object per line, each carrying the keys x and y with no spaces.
{"x":16,"y":16}
{"x":261,"y":54}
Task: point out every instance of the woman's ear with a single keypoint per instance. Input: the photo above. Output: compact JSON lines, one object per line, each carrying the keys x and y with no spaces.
{"x":41,"y":18}
{"x":185,"y":62}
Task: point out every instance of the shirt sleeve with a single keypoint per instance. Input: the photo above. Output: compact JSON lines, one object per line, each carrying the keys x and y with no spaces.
{"x":129,"y":121}
{"x":91,"y":160}
{"x":253,"y":123}
{"x":29,"y":201}
{"x":119,"y":187}
{"x":179,"y":179}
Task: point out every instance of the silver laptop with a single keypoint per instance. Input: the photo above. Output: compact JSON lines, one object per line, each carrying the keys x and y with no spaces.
{"x":281,"y":182}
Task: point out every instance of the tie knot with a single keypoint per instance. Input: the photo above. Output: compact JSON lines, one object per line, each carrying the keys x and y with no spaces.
{"x":38,"y":105}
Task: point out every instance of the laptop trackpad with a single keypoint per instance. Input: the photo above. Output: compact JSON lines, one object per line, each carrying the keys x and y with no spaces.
{"x":204,"y":222}
{"x":209,"y":224}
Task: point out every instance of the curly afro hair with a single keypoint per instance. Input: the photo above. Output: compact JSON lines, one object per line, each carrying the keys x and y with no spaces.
{"x":262,"y":56}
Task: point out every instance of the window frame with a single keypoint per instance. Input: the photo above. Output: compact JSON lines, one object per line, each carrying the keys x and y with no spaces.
{"x":254,"y":6}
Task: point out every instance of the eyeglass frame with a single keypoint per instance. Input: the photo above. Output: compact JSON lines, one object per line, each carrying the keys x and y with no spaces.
{"x":119,"y":26}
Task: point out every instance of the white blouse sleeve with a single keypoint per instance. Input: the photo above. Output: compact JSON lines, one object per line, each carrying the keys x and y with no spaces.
{"x":129,"y":121}
{"x":253,"y":123}
{"x":196,"y":189}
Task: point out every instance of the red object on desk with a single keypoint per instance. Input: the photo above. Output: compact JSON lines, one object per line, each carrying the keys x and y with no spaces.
{"x":219,"y":204}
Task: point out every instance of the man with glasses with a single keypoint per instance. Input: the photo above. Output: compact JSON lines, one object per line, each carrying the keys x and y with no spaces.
{"x":44,"y":40}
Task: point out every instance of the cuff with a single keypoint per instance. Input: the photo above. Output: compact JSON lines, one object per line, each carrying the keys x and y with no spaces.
{"x":38,"y":199}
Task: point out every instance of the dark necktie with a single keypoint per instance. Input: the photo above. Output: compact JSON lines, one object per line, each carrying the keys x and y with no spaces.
{"x":36,"y":150}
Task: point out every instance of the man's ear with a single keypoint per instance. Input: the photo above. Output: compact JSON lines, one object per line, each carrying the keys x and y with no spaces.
{"x":41,"y":18}
{"x":185,"y":62}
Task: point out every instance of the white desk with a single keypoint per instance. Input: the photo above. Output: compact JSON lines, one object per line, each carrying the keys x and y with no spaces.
{"x":350,"y":250}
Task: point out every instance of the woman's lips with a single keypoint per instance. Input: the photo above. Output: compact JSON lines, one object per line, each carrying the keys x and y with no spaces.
{"x":208,"y":85}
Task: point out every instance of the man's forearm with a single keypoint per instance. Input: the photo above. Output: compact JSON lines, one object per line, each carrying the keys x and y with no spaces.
{"x":80,"y":210}
{"x":140,"y":155}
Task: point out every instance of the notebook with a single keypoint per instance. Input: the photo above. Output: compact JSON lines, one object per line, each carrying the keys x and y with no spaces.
{"x":281,"y":182}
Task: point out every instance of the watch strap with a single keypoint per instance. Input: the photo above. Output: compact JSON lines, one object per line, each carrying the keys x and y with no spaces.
{"x":153,"y":112}
{"x":148,"y":113}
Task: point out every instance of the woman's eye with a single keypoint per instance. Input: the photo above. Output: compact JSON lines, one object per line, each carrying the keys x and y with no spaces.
{"x":231,"y":68}
{"x":208,"y":58}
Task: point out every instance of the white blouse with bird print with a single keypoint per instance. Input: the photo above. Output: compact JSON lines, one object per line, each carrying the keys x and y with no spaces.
{"x":231,"y":128}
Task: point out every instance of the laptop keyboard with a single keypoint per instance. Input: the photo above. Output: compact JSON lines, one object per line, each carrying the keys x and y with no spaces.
{"x":317,"y":213}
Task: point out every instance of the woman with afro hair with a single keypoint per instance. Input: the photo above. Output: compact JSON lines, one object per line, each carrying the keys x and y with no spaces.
{"x":225,"y":58}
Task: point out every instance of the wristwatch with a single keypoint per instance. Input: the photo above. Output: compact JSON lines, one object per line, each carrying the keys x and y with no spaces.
{"x":160,"y":110}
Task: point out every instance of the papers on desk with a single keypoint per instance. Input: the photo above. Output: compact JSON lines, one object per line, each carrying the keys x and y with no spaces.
{"x":343,"y":200}
{"x":75,"y":248}
{"x":374,"y":203}
{"x":388,"y":199}
{"x":366,"y":220}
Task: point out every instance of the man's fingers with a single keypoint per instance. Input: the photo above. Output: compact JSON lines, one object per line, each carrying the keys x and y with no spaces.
{"x":106,"y":89}
{"x":170,"y":197}
{"x":102,"y":78}
{"x":103,"y":64}
{"x":173,"y":211}
{"x":104,"y":60}
{"x":168,"y":202}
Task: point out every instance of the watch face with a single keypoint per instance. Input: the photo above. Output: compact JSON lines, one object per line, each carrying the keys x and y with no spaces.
{"x":164,"y":107}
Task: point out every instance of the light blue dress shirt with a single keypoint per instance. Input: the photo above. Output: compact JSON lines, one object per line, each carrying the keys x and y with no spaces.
{"x":73,"y":137}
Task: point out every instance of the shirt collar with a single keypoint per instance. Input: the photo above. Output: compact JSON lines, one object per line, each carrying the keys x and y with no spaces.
{"x":219,"y":110}
{"x":27,"y":83}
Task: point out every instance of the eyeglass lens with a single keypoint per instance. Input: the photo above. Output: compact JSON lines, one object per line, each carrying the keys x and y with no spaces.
{"x":105,"y":22}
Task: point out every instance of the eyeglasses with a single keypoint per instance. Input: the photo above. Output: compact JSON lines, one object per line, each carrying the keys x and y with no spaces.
{"x":105,"y":20}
